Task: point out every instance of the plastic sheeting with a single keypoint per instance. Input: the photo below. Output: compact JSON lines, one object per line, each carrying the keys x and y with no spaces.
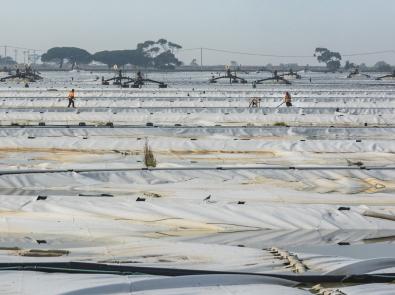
{"x":196,"y":218}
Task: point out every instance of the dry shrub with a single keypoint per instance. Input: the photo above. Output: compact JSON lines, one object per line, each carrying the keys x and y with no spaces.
{"x":149,"y":158}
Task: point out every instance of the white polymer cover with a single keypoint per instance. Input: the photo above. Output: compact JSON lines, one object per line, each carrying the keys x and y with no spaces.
{"x":235,"y":189}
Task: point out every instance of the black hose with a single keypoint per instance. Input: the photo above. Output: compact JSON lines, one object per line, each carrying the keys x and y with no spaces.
{"x":99,"y":268}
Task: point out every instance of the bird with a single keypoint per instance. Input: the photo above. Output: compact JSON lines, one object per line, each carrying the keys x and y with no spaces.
{"x":207,"y":198}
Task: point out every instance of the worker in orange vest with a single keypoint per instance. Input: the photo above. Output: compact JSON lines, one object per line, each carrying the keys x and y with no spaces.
{"x":288,"y":99}
{"x":71,"y":98}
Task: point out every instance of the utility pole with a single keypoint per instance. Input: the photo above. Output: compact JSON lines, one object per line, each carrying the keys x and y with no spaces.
{"x":15,"y":55}
{"x":5,"y":50}
{"x":201,"y":59}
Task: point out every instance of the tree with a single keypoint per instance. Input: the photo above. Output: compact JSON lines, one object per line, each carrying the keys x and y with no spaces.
{"x":330,"y":58}
{"x":233,"y":63}
{"x":159,"y":53}
{"x":121,"y":58}
{"x":166,"y":60}
{"x":382,"y":66}
{"x":162,"y":42}
{"x":153,"y":51}
{"x":174,"y":45}
{"x":149,"y":53}
{"x":146,"y":44}
{"x":350,"y":65}
{"x":73,"y":55}
{"x":7,"y":61}
{"x":112,"y":58}
{"x":194,"y":63}
{"x":363,"y":67}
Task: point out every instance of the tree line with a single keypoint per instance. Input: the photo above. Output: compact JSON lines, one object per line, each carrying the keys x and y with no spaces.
{"x":332,"y":60}
{"x":7,"y":61}
{"x":159,"y":54}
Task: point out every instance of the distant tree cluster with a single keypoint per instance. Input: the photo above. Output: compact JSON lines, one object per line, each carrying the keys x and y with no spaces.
{"x":6,"y":61}
{"x":382,"y":66}
{"x":350,"y":65}
{"x":332,"y":61}
{"x":330,"y":58}
{"x":194,"y":63}
{"x":159,"y":54}
{"x":73,"y":55}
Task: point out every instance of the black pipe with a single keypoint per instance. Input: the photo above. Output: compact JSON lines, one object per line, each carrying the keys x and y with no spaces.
{"x":99,"y":268}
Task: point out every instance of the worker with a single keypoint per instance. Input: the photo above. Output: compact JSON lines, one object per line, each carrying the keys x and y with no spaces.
{"x":255,"y":102}
{"x":288,"y":99}
{"x":71,"y":98}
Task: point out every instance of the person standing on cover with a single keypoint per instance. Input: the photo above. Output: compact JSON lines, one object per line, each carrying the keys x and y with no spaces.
{"x":71,"y":98}
{"x":288,"y":99}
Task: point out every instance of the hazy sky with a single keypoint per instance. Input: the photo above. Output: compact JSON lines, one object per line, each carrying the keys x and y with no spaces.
{"x":283,"y":27}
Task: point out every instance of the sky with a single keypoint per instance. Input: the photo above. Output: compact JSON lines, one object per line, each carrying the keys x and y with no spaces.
{"x":279,"y":27}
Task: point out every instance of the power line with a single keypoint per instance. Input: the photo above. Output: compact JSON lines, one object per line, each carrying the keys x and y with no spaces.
{"x":243,"y":53}
{"x":284,"y":56}
{"x":370,"y":53}
{"x":21,"y":48}
{"x":257,"y":54}
{"x":190,"y":49}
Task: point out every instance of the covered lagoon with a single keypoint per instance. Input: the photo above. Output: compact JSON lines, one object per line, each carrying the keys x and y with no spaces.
{"x":273,"y":200}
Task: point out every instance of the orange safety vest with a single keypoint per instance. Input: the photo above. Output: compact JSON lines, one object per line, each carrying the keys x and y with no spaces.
{"x":287,"y":98}
{"x":71,"y":95}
